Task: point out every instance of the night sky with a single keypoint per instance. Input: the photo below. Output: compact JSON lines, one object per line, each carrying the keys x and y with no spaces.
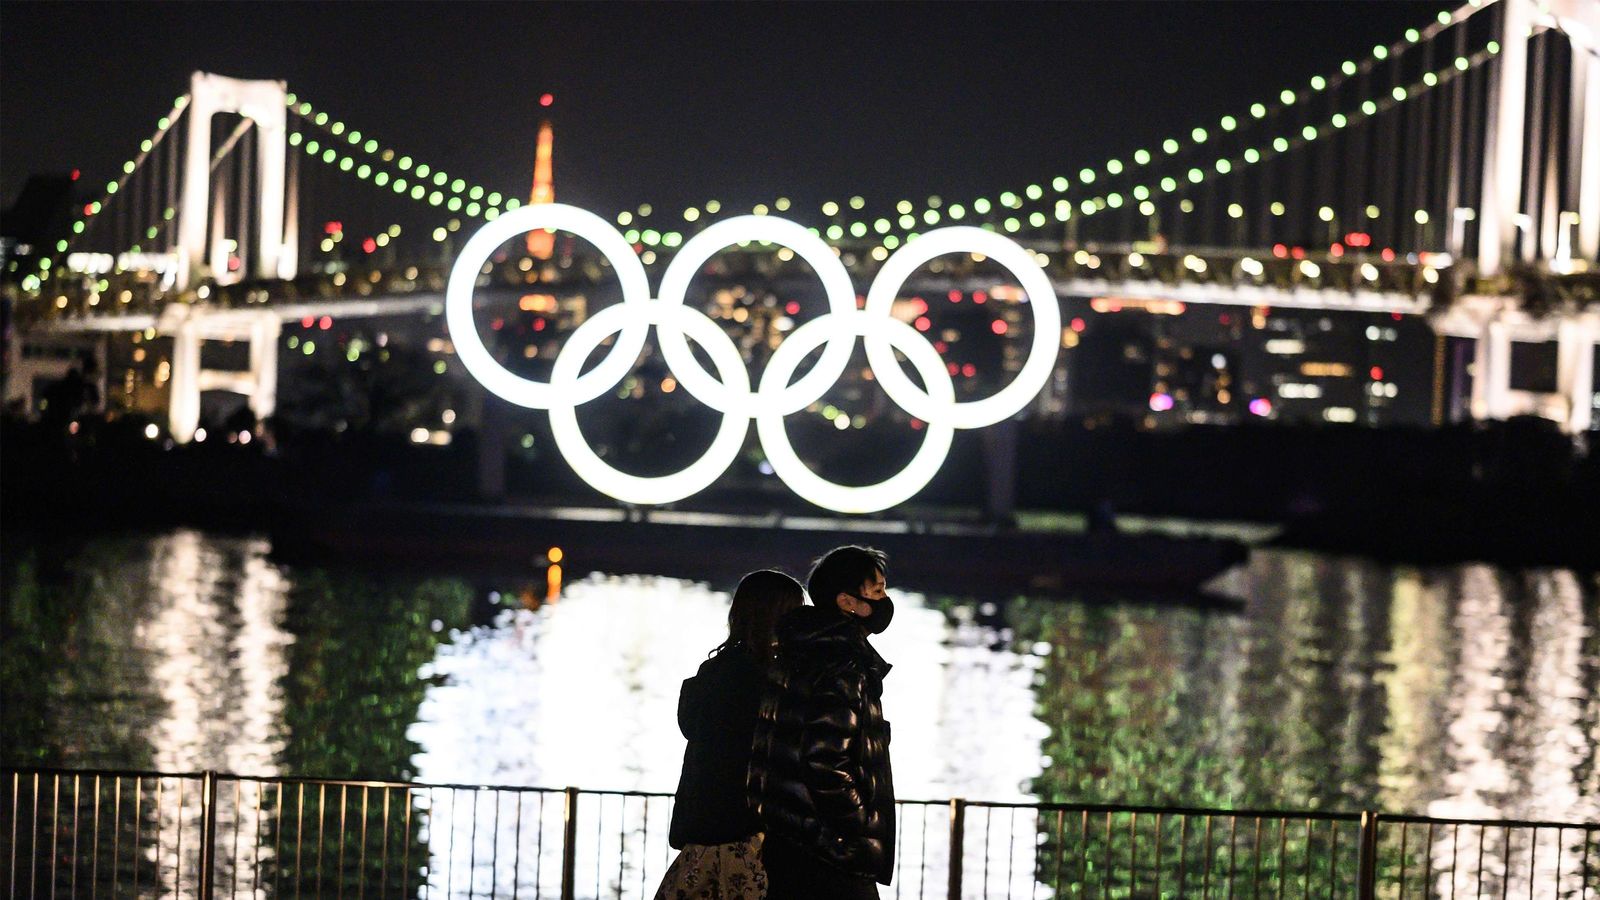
{"x":674,"y":104}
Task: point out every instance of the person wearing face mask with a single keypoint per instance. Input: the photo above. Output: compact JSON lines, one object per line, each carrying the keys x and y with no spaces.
{"x":819,"y":772}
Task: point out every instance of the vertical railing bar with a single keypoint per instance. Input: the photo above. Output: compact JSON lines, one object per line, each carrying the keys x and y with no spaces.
{"x":177,"y":850}
{"x":922,"y":875}
{"x":450,"y":858}
{"x":1183,"y":851}
{"x":383,"y":865}
{"x":116,"y":836}
{"x":1533,"y":856}
{"x":55,"y":830}
{"x":599,"y":840}
{"x":322,"y":818}
{"x":1455,"y":843}
{"x":299,"y":838}
{"x":622,"y":840}
{"x":644,"y":846}
{"x":138,"y":816}
{"x":958,"y":838}
{"x":1205,"y":890}
{"x":1010,"y":851}
{"x":255,"y":880}
{"x":1367,"y":857}
{"x":899,"y":844}
{"x":494,"y":848}
{"x":277,"y":843}
{"x":1083,"y":854}
{"x":538,"y":854}
{"x":1233,"y":851}
{"x":1403,"y":860}
{"x":1479,"y":891}
{"x":160,"y":809}
{"x":94,"y":866}
{"x":472,"y":846}
{"x":1561,"y":851}
{"x":433,"y":824}
{"x":208,"y":834}
{"x":76,"y":812}
{"x":570,"y":844}
{"x":1061,"y":847}
{"x":988,"y":821}
{"x":1586,"y":835}
{"x":361,"y":858}
{"x":33,"y":842}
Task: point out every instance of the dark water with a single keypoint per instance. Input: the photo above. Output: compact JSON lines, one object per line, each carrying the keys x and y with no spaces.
{"x":1342,"y":684}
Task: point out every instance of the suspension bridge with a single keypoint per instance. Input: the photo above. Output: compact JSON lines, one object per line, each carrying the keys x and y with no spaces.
{"x":1437,"y":175}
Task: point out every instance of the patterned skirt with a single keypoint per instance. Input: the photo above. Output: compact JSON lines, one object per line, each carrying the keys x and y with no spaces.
{"x":716,"y":872}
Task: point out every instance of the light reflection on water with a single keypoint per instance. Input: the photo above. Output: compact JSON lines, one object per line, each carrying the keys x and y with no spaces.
{"x":1453,"y":691}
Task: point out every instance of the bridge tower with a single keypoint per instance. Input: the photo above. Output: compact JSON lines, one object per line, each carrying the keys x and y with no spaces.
{"x":264,"y":104}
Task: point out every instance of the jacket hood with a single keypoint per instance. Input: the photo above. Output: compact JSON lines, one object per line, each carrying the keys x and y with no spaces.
{"x":814,"y":632}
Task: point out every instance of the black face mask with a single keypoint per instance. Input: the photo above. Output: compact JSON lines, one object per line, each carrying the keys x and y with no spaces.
{"x":882,"y":614}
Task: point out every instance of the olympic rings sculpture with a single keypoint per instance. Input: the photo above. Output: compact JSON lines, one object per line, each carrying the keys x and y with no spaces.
{"x":729,"y":391}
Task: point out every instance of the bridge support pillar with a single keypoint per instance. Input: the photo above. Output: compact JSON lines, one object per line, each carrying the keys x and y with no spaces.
{"x":1575,"y":372}
{"x":264,"y":366}
{"x":1491,"y":372}
{"x":1503,"y":156}
{"x":1572,"y":403}
{"x":264,"y":104}
{"x":183,"y":391}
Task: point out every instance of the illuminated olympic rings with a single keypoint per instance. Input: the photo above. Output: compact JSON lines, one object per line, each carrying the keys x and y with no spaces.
{"x":730,"y":393}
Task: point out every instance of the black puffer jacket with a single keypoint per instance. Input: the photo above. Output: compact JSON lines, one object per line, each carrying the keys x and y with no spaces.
{"x":717,"y":713}
{"x":819,"y":772}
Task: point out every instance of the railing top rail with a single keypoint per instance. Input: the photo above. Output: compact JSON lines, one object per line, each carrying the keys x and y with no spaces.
{"x":1042,"y":807}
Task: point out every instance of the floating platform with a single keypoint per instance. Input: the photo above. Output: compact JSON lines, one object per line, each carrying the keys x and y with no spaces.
{"x":944,"y":557}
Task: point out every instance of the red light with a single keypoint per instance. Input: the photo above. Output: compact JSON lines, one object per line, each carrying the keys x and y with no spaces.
{"x":325,"y":323}
{"x":88,"y":209}
{"x":538,"y":324}
{"x":954,"y":368}
{"x":792,"y":307}
{"x":234,"y":264}
{"x":1376,"y":373}
{"x":940,"y":346}
{"x":1280,"y":251}
{"x":75,"y":174}
{"x":955,"y":296}
{"x":333,"y":227}
{"x":969,"y":370}
{"x":308,"y":321}
{"x":980,"y":297}
{"x":498,"y":324}
{"x":922,"y":323}
{"x":1336,"y":251}
{"x":916,"y":424}
{"x":1078,"y":325}
{"x":1298,"y":253}
{"x":1388,"y":254}
{"x":1225,"y":319}
{"x":546,"y":99}
{"x":999,"y":326}
{"x":369,"y":245}
{"x":919,"y":304}
{"x":1396,"y":316}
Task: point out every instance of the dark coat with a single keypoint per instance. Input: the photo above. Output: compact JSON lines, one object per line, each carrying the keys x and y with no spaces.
{"x":717,"y":713}
{"x":820,"y":771}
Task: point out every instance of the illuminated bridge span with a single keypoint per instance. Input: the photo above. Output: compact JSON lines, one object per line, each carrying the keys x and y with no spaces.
{"x":1439,"y":174}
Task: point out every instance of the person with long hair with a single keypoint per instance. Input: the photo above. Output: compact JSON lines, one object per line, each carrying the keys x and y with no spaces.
{"x":717,"y":833}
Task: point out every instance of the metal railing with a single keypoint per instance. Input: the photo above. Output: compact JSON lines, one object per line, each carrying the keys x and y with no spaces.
{"x":79,"y":833}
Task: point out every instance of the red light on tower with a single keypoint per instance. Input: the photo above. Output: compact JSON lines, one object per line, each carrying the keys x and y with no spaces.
{"x":546,"y":99}
{"x":333,"y":227}
{"x":1376,"y":373}
{"x":998,"y":326}
{"x":369,"y":245}
{"x":76,"y":174}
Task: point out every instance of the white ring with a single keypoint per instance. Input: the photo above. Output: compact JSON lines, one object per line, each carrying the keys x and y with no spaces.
{"x":1010,"y":399}
{"x":635,"y":488}
{"x":469,"y":344}
{"x":897,"y":488}
{"x":835,"y":285}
